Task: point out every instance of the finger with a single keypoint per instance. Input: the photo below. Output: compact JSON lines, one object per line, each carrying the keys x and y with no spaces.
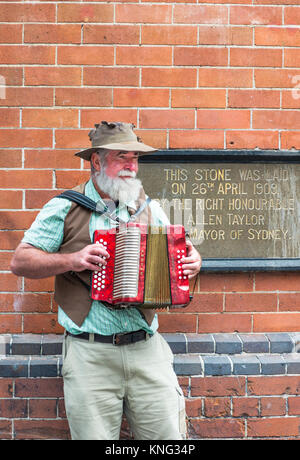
{"x":98,"y":249}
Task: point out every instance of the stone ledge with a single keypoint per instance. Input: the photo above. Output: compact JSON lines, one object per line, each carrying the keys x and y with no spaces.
{"x":259,"y":364}
{"x":221,"y":343}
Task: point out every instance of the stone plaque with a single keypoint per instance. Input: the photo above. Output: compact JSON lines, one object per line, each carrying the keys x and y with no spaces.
{"x":231,"y":209}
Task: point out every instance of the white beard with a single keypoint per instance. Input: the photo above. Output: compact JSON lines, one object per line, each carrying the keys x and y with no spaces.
{"x":122,"y":190}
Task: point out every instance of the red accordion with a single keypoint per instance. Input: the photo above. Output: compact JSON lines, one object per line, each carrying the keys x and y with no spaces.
{"x":144,"y":267}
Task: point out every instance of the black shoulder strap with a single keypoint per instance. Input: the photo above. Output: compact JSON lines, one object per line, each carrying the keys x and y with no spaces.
{"x":82,"y":200}
{"x":86,"y":202}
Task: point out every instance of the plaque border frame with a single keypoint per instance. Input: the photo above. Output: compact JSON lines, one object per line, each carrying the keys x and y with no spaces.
{"x":231,"y":156}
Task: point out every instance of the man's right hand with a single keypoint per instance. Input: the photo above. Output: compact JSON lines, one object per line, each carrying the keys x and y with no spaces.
{"x":89,"y":258}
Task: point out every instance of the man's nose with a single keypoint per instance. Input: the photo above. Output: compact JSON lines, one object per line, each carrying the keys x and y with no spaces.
{"x":130,"y":165}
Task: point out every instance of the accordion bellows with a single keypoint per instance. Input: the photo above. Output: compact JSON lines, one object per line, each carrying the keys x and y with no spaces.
{"x":144,"y":267}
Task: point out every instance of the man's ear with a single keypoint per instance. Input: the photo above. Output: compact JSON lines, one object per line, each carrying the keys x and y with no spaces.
{"x":95,"y":160}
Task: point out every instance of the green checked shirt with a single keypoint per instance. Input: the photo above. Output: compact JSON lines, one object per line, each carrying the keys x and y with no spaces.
{"x":47,"y":232}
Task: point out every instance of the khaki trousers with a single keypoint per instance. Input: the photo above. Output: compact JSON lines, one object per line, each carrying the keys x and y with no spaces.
{"x":101,"y":381}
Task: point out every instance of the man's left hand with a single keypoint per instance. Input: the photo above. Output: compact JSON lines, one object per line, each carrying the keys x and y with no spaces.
{"x":191,"y":264}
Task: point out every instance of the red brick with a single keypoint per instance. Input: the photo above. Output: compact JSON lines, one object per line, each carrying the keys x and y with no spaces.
{"x":209,"y":323}
{"x":290,"y":140}
{"x":13,"y":408}
{"x":85,"y":55}
{"x":227,"y":78}
{"x":275,"y":119}
{"x":10,"y":158}
{"x":52,"y":33}
{"x":272,"y":406}
{"x":36,"y":199}
{"x":5,"y":429}
{"x":292,"y":15}
{"x":245,"y":407}
{"x":166,"y":118}
{"x":42,"y":429}
{"x":289,"y":302}
{"x":169,"y":35}
{"x":276,"y":322}
{"x":292,"y":58}
{"x":16,"y":220}
{"x":57,"y":76}
{"x":6,"y":388}
{"x":132,"y":97}
{"x":10,"y":33}
{"x":200,"y":56}
{"x":112,"y":34}
{"x":9,"y":282}
{"x":9,"y":118}
{"x":26,"y":138}
{"x":41,"y":324}
{"x":225,"y":35}
{"x":276,"y":36}
{"x":223,"y":119}
{"x":71,"y":139}
{"x":218,"y":386}
{"x":144,"y":56}
{"x":90,"y":116}
{"x":274,"y":385}
{"x":193,"y":407}
{"x":39,"y":387}
{"x":157,"y":14}
{"x":87,"y":12}
{"x":200,"y":14}
{"x":291,"y":98}
{"x":29,"y":303}
{"x":211,"y":302}
{"x":12,"y":75}
{"x":10,"y":324}
{"x":250,"y":302}
{"x":26,"y":54}
{"x":57,"y":159}
{"x":193,"y":139}
{"x":27,"y":12}
{"x":225,"y":428}
{"x":294,"y":406}
{"x":10,"y":240}
{"x":156,"y":138}
{"x":255,"y":57}
{"x":50,"y":118}
{"x":276,"y":78}
{"x":23,"y":97}
{"x":217,"y":407}
{"x":255,"y":15}
{"x":39,"y":285}
{"x":252,"y":139}
{"x":26,"y":179}
{"x":69,"y":179}
{"x":42,"y":408}
{"x":256,"y":98}
{"x":169,"y":77}
{"x":5,"y":258}
{"x":177,"y":322}
{"x":273,"y":427}
{"x":230,"y":282}
{"x":214,"y":98}
{"x":83,"y":97}
{"x":111,"y":76}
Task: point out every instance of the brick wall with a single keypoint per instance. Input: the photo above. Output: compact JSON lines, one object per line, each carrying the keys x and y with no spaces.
{"x":196,"y":74}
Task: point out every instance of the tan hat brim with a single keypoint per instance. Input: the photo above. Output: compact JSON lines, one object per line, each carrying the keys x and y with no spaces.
{"x":127,"y":147}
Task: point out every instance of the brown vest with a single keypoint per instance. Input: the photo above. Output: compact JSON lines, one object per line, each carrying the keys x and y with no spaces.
{"x":70,"y":293}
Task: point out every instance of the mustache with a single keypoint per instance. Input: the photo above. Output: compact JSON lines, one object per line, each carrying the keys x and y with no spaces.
{"x":127,"y":173}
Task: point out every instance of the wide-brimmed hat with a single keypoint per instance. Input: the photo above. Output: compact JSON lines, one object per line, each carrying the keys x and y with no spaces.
{"x":114,"y":136}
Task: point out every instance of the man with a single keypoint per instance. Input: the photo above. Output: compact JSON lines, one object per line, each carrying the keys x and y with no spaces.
{"x":101,"y":380}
